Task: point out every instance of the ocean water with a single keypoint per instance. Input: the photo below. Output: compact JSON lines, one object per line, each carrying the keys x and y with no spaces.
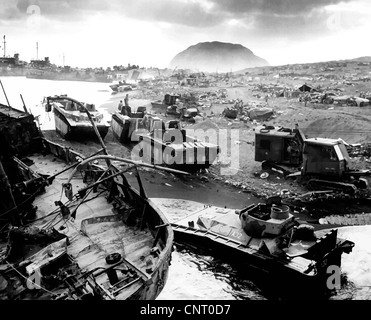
{"x":192,"y":276}
{"x":33,"y":92}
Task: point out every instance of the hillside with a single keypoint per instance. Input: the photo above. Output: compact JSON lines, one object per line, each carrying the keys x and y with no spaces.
{"x":216,"y":57}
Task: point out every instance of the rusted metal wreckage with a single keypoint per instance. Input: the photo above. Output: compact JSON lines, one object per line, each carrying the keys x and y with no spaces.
{"x":320,"y":163}
{"x":268,"y":243}
{"x":107,"y":241}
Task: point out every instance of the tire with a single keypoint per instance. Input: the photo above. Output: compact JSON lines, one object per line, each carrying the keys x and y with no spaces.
{"x":113,"y":258}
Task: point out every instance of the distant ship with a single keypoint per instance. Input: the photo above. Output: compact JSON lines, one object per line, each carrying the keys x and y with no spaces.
{"x":68,"y":76}
{"x":44,"y":69}
{"x":12,"y":66}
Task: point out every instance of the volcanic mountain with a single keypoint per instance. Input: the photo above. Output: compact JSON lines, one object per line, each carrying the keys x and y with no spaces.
{"x":216,"y":57}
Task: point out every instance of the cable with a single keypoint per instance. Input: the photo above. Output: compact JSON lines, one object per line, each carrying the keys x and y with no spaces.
{"x":46,"y":290}
{"x":56,"y":211}
{"x":56,"y":223}
{"x":21,"y":204}
{"x":48,"y":225}
{"x":1,"y":231}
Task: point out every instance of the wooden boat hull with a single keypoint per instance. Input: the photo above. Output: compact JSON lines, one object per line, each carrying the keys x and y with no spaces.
{"x":156,"y":280}
{"x":82,"y":130}
{"x":115,"y":218}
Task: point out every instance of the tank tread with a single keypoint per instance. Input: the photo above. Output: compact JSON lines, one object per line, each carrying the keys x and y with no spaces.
{"x":268,"y":165}
{"x":317,"y":184}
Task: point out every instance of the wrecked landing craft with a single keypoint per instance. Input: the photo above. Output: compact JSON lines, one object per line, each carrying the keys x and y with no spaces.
{"x":107,"y":241}
{"x":268,"y":244}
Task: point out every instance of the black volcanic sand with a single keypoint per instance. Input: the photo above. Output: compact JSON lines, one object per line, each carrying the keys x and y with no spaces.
{"x":201,"y":187}
{"x":353,"y":124}
{"x":161,"y":184}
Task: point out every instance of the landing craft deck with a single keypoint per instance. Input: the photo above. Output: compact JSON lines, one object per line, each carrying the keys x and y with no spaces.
{"x":296,"y":259}
{"x":132,"y":240}
{"x":108,"y":241}
{"x":96,"y":232}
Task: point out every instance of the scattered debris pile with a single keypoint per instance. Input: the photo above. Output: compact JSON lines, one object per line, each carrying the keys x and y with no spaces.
{"x":358,"y":219}
{"x":360,"y":150}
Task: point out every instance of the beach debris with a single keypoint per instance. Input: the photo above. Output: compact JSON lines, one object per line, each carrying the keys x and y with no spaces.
{"x":264,"y":175}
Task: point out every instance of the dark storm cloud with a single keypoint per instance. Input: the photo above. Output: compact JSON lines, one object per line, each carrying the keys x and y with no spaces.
{"x":8,"y":11}
{"x":289,"y":25}
{"x":54,"y":9}
{"x":273,"y":7}
{"x":275,"y":16}
{"x":294,"y":18}
{"x":57,"y":8}
{"x":170,"y":11}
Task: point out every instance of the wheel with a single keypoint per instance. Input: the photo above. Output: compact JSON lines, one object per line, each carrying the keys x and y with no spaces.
{"x":113,"y":258}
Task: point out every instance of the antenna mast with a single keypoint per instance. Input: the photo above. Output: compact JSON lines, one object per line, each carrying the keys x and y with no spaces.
{"x":37,"y":51}
{"x":4,"y":46}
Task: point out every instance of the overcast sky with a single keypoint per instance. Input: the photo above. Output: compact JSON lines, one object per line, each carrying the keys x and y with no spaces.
{"x":151,"y":32}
